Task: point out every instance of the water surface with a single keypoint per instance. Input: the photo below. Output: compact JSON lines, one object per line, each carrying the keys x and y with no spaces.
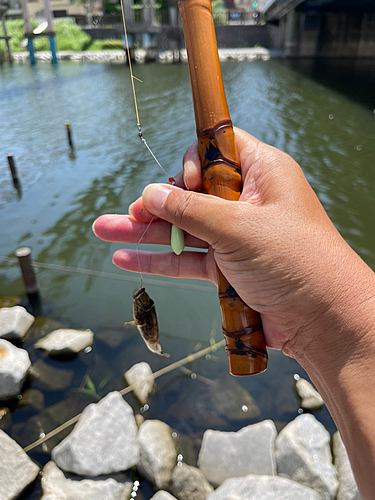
{"x":327,"y":128}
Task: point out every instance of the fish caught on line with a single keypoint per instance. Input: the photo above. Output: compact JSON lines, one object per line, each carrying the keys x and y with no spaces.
{"x":145,"y":319}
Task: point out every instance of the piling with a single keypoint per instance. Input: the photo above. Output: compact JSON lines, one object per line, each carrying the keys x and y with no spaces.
{"x":29,"y":279}
{"x":13,"y":169}
{"x":69,"y":134}
{"x":7,"y":39}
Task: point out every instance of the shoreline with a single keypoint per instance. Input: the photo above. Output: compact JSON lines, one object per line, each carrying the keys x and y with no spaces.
{"x":142,"y":56}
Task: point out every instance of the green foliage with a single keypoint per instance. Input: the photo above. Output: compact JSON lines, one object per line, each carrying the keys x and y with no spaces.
{"x":106,"y":45}
{"x":15,"y":29}
{"x":69,"y":36}
{"x":219,"y":11}
{"x":111,"y":7}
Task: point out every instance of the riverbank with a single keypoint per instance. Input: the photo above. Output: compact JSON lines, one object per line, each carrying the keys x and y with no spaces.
{"x":141,"y":56}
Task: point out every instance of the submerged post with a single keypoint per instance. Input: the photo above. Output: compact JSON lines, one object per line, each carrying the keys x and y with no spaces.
{"x":29,"y":279}
{"x":69,"y":134}
{"x":13,"y":169}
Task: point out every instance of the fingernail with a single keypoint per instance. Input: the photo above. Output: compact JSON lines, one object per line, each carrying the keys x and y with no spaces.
{"x":93,"y":227}
{"x":189,"y":170}
{"x":155,"y":195}
{"x":130,"y":209}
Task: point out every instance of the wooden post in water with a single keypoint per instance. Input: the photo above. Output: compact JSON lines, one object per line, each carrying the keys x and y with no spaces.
{"x":6,"y":38}
{"x":69,"y":134}
{"x":51,"y":34}
{"x":221,"y":171}
{"x":13,"y":170}
{"x":28,"y":30}
{"x":29,"y":279}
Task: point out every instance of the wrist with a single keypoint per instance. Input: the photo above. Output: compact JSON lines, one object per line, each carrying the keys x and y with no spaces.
{"x":341,"y":321}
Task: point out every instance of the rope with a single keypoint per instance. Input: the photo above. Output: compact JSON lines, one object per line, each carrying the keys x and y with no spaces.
{"x":121,"y":277}
{"x":130,"y":388}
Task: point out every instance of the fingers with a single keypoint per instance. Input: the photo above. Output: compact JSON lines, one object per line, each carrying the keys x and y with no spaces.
{"x":124,"y":229}
{"x":192,"y":168}
{"x":192,"y":265}
{"x":206,"y":217}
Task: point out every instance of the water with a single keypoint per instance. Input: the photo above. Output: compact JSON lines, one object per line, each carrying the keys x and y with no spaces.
{"x":326,"y":122}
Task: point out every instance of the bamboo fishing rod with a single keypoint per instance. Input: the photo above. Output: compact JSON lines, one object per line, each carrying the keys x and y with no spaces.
{"x":221,"y":172}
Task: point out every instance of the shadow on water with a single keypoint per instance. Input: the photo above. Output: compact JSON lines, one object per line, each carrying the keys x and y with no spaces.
{"x":355,"y":79}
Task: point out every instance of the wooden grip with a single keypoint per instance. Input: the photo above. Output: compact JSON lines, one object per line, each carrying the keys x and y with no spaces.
{"x":242,"y":328}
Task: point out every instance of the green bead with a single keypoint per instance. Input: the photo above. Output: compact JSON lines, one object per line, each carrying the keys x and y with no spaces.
{"x":177,"y":240}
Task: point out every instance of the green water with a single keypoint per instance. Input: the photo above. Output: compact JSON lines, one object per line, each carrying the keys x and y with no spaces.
{"x":321,"y":114}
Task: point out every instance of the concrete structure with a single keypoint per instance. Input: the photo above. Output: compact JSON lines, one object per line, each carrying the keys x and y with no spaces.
{"x":324,"y":28}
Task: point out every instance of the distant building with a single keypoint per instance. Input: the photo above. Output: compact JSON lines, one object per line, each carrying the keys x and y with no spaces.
{"x":60,"y":8}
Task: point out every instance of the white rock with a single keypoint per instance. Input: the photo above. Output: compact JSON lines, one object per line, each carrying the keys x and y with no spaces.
{"x":135,"y":375}
{"x":310,"y":397}
{"x":16,"y":469}
{"x":158,"y":455}
{"x":189,"y":483}
{"x":262,"y":488}
{"x":57,"y":487}
{"x":303,"y":454}
{"x":65,"y":341}
{"x":14,"y":322}
{"x":102,"y":442}
{"x":14,"y":366}
{"x":225,"y":455}
{"x":347,"y":486}
{"x":163,"y":495}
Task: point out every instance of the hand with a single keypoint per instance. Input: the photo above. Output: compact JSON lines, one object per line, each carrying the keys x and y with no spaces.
{"x":276,"y":245}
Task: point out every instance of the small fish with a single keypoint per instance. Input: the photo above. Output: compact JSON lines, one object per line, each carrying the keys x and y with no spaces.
{"x":145,"y":319}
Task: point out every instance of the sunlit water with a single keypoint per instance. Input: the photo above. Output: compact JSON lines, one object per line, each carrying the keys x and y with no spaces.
{"x":328,"y":127}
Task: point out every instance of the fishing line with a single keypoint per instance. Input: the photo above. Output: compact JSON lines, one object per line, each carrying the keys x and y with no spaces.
{"x":132,"y":78}
{"x":139,"y":241}
{"x":171,"y":180}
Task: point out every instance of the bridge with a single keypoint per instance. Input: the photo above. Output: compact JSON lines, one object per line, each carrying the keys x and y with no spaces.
{"x":324,"y":28}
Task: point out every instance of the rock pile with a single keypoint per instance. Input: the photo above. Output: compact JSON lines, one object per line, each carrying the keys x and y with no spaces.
{"x":255,"y":462}
{"x":249,"y":464}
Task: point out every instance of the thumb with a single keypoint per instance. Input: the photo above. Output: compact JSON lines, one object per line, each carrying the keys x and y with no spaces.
{"x":206,"y":217}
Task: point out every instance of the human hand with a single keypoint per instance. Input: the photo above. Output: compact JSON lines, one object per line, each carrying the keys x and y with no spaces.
{"x":276,"y":245}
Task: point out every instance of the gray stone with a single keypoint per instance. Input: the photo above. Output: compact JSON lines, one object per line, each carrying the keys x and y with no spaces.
{"x":163,"y":495}
{"x":16,"y":469}
{"x":347,"y":486}
{"x":139,"y":419}
{"x":51,"y":378}
{"x":262,"y":488}
{"x":136,"y":375}
{"x":63,"y":341}
{"x":14,"y":322}
{"x":158,"y":455}
{"x":14,"y":366}
{"x":303,"y":454}
{"x":310,"y":398}
{"x":102,"y":442}
{"x":189,"y":483}
{"x":57,"y":487}
{"x":225,"y":455}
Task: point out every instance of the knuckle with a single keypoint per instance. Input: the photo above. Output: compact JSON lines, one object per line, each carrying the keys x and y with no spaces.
{"x":185,"y":205}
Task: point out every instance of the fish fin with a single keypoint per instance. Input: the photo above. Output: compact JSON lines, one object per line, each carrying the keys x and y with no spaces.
{"x":130,"y":323}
